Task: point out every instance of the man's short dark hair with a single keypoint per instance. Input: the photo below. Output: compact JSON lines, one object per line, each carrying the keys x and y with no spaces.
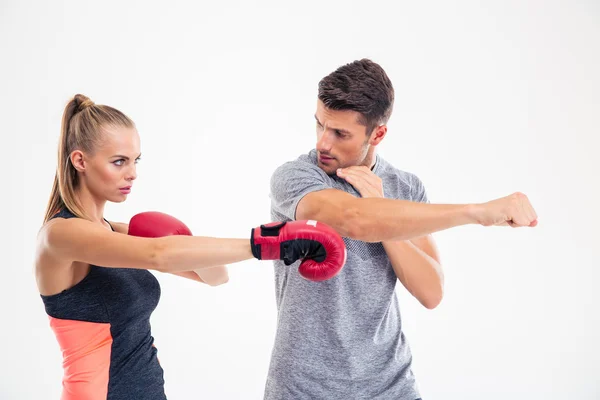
{"x":361,"y":86}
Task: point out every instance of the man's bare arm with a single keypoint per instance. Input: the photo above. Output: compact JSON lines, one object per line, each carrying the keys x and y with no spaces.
{"x":380,"y":219}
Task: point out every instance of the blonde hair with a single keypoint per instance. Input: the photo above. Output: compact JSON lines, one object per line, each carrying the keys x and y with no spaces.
{"x":81,"y":129}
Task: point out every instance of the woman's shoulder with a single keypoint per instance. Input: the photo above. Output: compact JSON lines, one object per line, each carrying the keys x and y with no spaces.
{"x":56,"y":232}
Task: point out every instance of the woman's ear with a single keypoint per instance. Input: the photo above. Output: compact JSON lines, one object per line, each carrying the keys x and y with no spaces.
{"x":77,"y":159}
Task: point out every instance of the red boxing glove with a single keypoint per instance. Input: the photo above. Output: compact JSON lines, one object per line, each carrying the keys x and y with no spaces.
{"x":153,"y":224}
{"x":319,"y":246}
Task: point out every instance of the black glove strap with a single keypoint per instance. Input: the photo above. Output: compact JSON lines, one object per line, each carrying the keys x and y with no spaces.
{"x":255,"y":248}
{"x":264,"y":232}
{"x":271,"y":230}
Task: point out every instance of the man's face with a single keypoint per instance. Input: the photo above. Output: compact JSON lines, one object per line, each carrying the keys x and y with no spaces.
{"x":341,"y":140}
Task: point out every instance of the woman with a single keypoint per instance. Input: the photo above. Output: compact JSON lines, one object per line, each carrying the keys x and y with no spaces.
{"x":93,"y":275}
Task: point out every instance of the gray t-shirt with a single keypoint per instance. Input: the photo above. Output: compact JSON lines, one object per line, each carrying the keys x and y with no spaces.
{"x":341,"y":338}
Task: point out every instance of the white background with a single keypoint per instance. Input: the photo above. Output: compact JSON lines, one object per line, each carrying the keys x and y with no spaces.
{"x":491,"y":98}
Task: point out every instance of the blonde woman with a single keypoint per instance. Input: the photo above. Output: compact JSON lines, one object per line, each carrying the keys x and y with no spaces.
{"x":93,"y":275}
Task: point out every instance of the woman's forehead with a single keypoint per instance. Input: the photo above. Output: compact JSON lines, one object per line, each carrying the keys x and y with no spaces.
{"x":121,"y":139}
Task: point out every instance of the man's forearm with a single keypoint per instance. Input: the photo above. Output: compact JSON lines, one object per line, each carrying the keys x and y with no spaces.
{"x":420,"y":272}
{"x":377,"y":220}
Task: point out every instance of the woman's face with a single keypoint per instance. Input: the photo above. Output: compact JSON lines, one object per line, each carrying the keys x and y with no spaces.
{"x":110,"y":172}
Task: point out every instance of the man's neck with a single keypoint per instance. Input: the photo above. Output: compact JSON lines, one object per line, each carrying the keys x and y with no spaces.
{"x":370,"y":159}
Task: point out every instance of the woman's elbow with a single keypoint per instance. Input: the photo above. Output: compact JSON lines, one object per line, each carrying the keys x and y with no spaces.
{"x":218,"y":281}
{"x":214,"y":276}
{"x":156,"y":257}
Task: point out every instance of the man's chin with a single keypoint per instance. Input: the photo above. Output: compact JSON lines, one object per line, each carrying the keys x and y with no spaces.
{"x":328,"y":169}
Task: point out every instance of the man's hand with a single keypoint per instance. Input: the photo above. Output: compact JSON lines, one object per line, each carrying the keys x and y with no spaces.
{"x":363,"y":179}
{"x":514,"y":210}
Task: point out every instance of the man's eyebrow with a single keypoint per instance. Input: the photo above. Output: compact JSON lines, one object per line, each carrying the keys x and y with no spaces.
{"x":335,"y":129}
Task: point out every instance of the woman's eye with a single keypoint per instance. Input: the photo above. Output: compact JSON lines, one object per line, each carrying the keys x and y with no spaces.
{"x":118,"y":162}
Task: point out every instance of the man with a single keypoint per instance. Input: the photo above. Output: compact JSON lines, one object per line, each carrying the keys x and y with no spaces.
{"x":342,"y":338}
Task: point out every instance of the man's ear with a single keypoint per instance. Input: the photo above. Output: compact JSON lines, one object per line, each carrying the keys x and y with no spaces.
{"x":377,"y":135}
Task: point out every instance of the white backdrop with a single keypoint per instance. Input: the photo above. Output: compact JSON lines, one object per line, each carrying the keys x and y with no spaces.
{"x":491,"y":98}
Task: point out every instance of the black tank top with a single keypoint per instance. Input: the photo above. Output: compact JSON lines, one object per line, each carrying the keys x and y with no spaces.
{"x":102,"y":325}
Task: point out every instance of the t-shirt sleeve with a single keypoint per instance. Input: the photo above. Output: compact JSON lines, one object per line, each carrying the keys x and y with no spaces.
{"x":291,"y":182}
{"x":418,"y":192}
